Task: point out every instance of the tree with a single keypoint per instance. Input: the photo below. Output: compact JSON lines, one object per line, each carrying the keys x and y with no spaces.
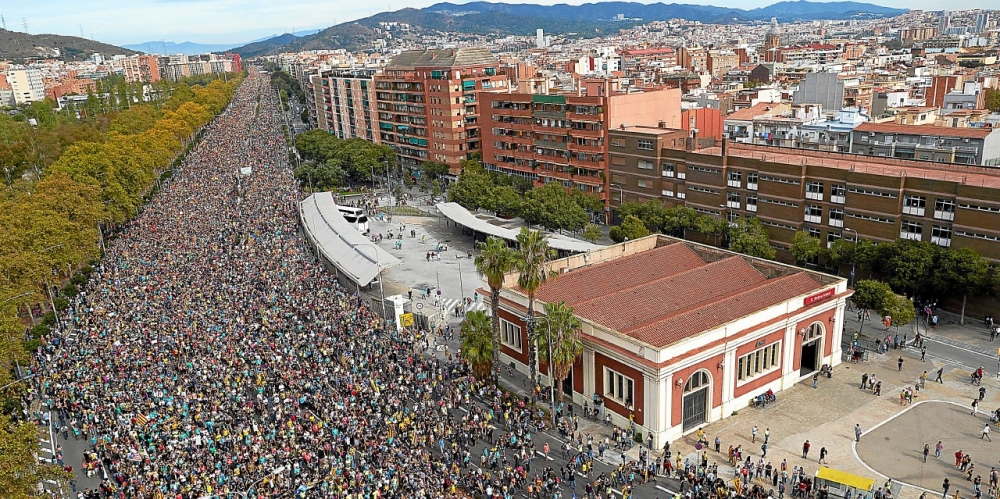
{"x":992,"y":98}
{"x":708,"y":225}
{"x":960,"y":272}
{"x":552,"y":207}
{"x":900,"y":311}
{"x":631,"y":228}
{"x":591,"y":232}
{"x":841,"y":252}
{"x":805,"y":248}
{"x":533,"y":251}
{"x":20,"y":472}
{"x":873,"y":295}
{"x":495,"y":260}
{"x":677,"y":219}
{"x":907,"y":264}
{"x":432,"y":170}
{"x":749,"y":237}
{"x":562,"y":335}
{"x":478,"y":346}
{"x":651,"y":213}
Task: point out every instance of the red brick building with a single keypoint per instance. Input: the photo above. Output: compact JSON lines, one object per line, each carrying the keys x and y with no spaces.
{"x":677,"y":334}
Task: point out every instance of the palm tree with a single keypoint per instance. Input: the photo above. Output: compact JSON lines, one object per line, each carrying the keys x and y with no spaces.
{"x":478,"y":348}
{"x":532,"y":254}
{"x":494,"y":262}
{"x":561,"y":341}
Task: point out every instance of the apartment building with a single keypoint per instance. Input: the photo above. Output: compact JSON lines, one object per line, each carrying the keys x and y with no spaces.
{"x":564,"y":137}
{"x":140,"y":68}
{"x":967,"y":146}
{"x":428,"y":103}
{"x":832,"y":91}
{"x":345,"y":103}
{"x":830,"y":195}
{"x":26,"y":84}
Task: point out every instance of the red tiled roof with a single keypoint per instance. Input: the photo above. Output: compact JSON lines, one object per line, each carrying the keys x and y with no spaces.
{"x":750,"y":113}
{"x":943,"y":131}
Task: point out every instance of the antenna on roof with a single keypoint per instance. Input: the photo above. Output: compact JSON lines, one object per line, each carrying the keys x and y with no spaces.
{"x":4,"y":22}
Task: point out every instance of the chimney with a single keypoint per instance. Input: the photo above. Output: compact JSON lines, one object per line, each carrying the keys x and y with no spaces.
{"x":662,"y":124}
{"x":725,"y":151}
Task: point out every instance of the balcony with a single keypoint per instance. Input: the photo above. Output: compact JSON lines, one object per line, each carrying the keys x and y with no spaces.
{"x":735,"y":183}
{"x":910,"y":235}
{"x":733,"y":204}
{"x":586,"y":133}
{"x":585,"y":117}
{"x":818,"y":196}
{"x":752,"y":207}
{"x":667,"y":173}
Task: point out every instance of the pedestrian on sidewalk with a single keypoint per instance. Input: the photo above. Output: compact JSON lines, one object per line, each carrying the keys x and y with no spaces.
{"x":927,"y":450}
{"x":937,"y":449}
{"x":923,"y":353}
{"x":767,"y":435}
{"x":899,"y":364}
{"x":975,"y":407}
{"x":805,"y":450}
{"x":753,"y":434}
{"x":857,"y":432}
{"x":986,"y":433}
{"x":939,"y":373}
{"x":763,"y":449}
{"x":864,"y":381}
{"x":945,"y":486}
{"x":982,"y":393}
{"x":822,"y":455}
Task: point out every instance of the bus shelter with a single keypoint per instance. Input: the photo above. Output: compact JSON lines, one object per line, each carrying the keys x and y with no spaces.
{"x":841,"y":484}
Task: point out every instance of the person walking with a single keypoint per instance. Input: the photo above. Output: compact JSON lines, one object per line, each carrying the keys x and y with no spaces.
{"x":864,"y":381}
{"x":857,"y":432}
{"x":945,"y":486}
{"x":975,"y":407}
{"x":763,"y":450}
{"x":753,"y":434}
{"x":937,"y":449}
{"x":899,"y":364}
{"x":986,"y":433}
{"x":767,"y":434}
{"x":939,"y":373}
{"x":805,"y":450}
{"x":982,"y":393}
{"x":822,"y":455}
{"x":923,"y":353}
{"x":927,"y":450}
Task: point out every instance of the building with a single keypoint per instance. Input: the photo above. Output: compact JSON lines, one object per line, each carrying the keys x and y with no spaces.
{"x":832,"y":91}
{"x":942,"y":85}
{"x":772,"y":39}
{"x":982,"y":21}
{"x":140,"y":68}
{"x":345,"y":103}
{"x":428,"y":103}
{"x":539,"y":38}
{"x":967,"y":146}
{"x":677,"y":335}
{"x":564,"y":137}
{"x":71,"y":86}
{"x":693,"y":58}
{"x":824,"y":193}
{"x":26,"y":84}
{"x":721,"y":61}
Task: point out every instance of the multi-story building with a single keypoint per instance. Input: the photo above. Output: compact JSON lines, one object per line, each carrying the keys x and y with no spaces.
{"x":832,"y":91}
{"x":830,"y":195}
{"x":721,"y":61}
{"x":428,"y":103}
{"x":345,"y":103}
{"x":967,"y":146}
{"x":693,"y":58}
{"x":26,"y":84}
{"x":942,"y":85}
{"x":564,"y":137}
{"x":138,"y":68}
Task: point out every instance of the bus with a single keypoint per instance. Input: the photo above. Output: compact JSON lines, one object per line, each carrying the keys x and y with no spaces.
{"x":355,"y":216}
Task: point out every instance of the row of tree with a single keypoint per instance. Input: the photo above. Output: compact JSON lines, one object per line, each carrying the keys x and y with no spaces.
{"x":744,"y":235}
{"x":560,"y":335}
{"x":331,"y":162}
{"x":552,"y":206}
{"x":68,"y":176}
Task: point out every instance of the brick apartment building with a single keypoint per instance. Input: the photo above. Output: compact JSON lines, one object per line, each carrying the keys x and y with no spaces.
{"x":345,"y":103}
{"x":564,"y":137}
{"x":830,"y":195}
{"x":140,"y":68}
{"x":428,"y":103}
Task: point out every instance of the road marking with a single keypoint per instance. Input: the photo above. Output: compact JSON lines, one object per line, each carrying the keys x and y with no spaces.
{"x":666,"y":490}
{"x":960,"y":348}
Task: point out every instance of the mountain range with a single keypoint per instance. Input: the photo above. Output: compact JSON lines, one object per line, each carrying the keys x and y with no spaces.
{"x":17,"y":46}
{"x":192,"y":48}
{"x":591,"y":19}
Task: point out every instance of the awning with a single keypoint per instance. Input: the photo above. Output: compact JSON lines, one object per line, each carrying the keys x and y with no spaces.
{"x":340,"y":242}
{"x":461,"y":216}
{"x":845,"y":478}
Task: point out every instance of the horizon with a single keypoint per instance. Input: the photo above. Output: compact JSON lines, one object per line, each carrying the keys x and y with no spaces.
{"x":238,"y":22}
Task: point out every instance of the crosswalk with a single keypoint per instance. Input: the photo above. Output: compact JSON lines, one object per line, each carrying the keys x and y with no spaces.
{"x":47,"y":454}
{"x":448,"y":306}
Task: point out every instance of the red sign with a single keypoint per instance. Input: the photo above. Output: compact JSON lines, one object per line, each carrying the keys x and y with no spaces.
{"x":822,"y":295}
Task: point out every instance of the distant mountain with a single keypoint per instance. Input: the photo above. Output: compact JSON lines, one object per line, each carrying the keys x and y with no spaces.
{"x":300,"y":33}
{"x":17,"y":46}
{"x":497,"y":18}
{"x":261,"y":47}
{"x":186,"y":48}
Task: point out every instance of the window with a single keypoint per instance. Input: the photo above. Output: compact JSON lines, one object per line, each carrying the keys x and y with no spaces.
{"x":911,"y":230}
{"x":759,"y":362}
{"x":681,"y":195}
{"x":667,"y":193}
{"x":836,"y":217}
{"x":702,"y":189}
{"x":697,"y":381}
{"x":941,"y":236}
{"x":975,"y":235}
{"x":752,"y":179}
{"x":838,"y":193}
{"x":641,"y":183}
{"x":645,"y":164}
{"x":814,"y":190}
{"x":779,"y":202}
{"x":618,"y":387}
{"x":616,"y":143}
{"x":830,"y":238}
{"x":814,"y":214}
{"x":702,"y":169}
{"x":735,"y":179}
{"x":944,"y":209}
{"x":991,"y":209}
{"x":914,"y":205}
{"x":645,"y":145}
{"x":667,"y":169}
{"x":751,"y":202}
{"x":869,"y":192}
{"x":779,"y":180}
{"x":733,"y":200}
{"x":870,"y":218}
{"x":510,"y":335}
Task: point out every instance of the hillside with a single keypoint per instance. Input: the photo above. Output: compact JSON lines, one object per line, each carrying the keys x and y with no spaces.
{"x":187,"y":48}
{"x":592,"y":19}
{"x":254,"y":49}
{"x":17,"y":46}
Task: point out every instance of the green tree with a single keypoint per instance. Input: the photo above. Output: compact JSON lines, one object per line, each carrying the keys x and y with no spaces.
{"x":552,"y":207}
{"x":677,"y":219}
{"x":992,"y":98}
{"x":473,"y":187}
{"x":900,"y":311}
{"x":20,"y":472}
{"x":708,"y":225}
{"x":907,"y":264}
{"x":631,"y":228}
{"x":841,"y":252}
{"x":873,"y":295}
{"x":432,"y":170}
{"x":749,"y":237}
{"x":805,"y":248}
{"x":651,"y":213}
{"x":560,"y":340}
{"x":495,"y":260}
{"x":960,"y":272}
{"x":533,"y":252}
{"x":478,"y":346}
{"x":592,"y":233}
{"x":503,"y":200}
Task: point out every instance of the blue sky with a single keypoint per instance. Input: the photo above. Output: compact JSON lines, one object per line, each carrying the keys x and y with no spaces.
{"x":235,"y":21}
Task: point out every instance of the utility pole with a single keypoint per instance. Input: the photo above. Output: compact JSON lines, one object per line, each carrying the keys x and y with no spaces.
{"x":24,"y":22}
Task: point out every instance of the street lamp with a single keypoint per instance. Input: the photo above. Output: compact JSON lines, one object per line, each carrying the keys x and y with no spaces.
{"x":621,"y":198}
{"x":461,"y":285}
{"x":854,"y":257}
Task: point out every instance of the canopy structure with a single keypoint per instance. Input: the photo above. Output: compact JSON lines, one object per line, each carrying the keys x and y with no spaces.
{"x":461,"y":216}
{"x":340,"y":242}
{"x":844,"y":479}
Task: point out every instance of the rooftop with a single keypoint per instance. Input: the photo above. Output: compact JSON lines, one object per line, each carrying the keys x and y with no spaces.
{"x":442,"y":58}
{"x":937,"y":131}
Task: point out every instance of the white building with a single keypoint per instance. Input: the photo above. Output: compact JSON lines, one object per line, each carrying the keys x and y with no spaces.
{"x":27,"y":85}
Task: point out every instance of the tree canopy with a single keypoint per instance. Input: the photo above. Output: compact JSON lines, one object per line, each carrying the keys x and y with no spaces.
{"x":330,"y":162}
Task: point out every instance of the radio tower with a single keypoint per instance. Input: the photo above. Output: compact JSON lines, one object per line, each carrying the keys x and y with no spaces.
{"x":24,"y":22}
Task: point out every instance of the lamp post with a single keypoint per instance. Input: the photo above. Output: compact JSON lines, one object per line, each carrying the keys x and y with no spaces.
{"x":388,"y":185}
{"x":461,"y":285}
{"x":621,"y":199}
{"x":854,"y":257}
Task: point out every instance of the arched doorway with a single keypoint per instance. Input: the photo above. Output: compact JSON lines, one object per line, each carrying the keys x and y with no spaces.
{"x":696,"y":396}
{"x":812,"y":348}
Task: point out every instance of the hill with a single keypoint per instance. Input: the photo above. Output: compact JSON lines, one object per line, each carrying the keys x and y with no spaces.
{"x":17,"y":46}
{"x":186,"y":48}
{"x":254,"y":49}
{"x":497,"y":18}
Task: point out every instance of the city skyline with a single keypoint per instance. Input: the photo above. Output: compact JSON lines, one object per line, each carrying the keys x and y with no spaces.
{"x":238,"y":22}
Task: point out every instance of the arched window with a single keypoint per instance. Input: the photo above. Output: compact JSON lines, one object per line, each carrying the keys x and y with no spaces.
{"x":815,"y":331}
{"x":696,"y":381}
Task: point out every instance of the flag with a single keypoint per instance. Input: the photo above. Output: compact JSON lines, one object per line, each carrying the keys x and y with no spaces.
{"x":141,"y":420}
